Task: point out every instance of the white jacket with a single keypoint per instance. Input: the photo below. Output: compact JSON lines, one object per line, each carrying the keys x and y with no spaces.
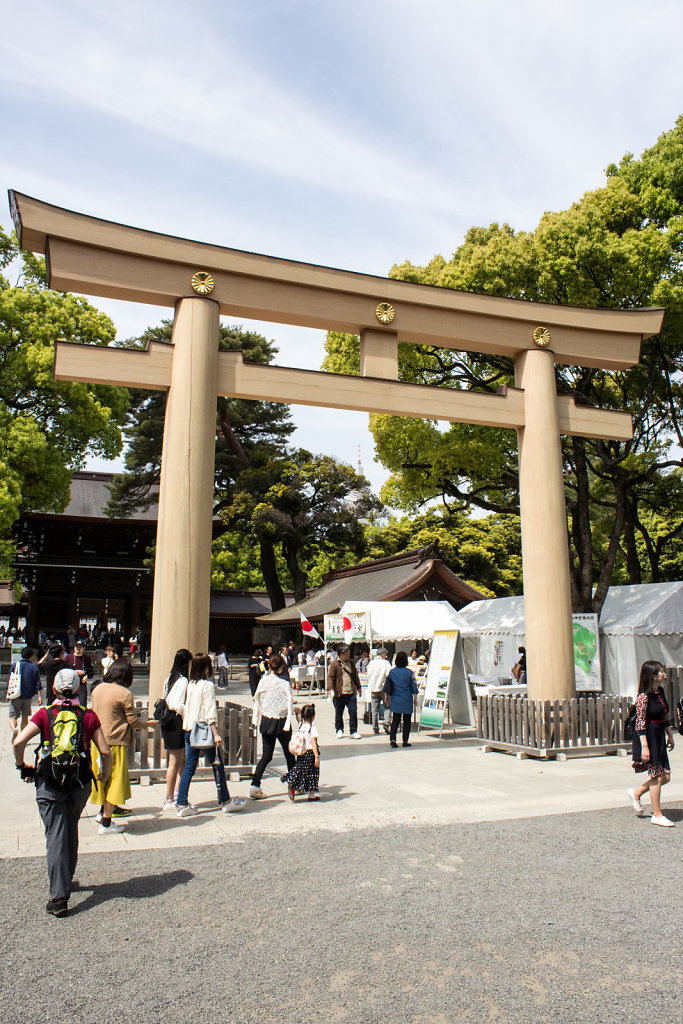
{"x":200,"y":703}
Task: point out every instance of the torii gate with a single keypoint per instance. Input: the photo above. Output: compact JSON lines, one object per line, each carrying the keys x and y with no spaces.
{"x":97,"y":257}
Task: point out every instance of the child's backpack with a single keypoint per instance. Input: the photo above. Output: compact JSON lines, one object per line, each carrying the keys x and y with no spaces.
{"x":65,"y":763}
{"x":297,"y":744}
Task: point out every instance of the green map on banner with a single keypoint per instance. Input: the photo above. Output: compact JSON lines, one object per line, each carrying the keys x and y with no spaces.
{"x":585,"y":646}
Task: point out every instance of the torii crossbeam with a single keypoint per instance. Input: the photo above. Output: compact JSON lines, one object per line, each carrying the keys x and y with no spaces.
{"x":96,"y":257}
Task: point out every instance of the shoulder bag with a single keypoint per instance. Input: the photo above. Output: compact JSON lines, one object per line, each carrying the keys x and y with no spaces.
{"x":201,"y":736}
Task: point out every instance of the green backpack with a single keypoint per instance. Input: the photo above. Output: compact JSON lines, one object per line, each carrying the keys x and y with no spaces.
{"x":65,"y":763}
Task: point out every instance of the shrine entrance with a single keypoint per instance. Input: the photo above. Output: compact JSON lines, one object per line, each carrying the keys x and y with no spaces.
{"x":96,"y":257}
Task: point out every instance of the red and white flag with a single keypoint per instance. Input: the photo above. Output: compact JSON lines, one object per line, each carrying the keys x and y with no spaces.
{"x":307,"y":629}
{"x":348,"y":629}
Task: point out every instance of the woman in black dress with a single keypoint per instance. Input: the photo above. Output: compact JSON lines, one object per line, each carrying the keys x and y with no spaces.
{"x":652,"y":738}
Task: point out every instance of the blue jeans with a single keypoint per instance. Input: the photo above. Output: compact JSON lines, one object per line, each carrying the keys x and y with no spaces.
{"x":192,"y":755}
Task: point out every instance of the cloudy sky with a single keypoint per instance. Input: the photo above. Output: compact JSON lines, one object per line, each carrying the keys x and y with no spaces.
{"x":350,"y":133}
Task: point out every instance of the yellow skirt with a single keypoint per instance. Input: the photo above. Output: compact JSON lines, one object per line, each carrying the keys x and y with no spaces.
{"x":116,"y":790}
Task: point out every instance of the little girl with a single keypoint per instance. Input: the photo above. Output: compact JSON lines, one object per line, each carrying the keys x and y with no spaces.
{"x":304,"y":776}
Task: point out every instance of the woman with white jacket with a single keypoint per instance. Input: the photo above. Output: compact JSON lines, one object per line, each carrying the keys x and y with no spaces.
{"x":200,"y":708}
{"x":273,"y":714}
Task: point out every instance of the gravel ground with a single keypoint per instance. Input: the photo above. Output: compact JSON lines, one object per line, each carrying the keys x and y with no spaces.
{"x":555,"y":919}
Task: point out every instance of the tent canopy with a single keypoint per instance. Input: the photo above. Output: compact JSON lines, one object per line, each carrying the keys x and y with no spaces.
{"x":497,"y":615}
{"x":409,"y":620}
{"x":653,"y":608}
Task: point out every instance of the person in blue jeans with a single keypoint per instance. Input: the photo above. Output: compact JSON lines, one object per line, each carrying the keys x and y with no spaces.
{"x":200,"y":707}
{"x":401,"y":687}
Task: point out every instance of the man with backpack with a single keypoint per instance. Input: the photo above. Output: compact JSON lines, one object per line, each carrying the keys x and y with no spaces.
{"x":62,"y":778}
{"x":29,"y":686}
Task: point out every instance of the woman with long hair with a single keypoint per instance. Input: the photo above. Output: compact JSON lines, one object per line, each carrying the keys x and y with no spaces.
{"x":175,"y":689}
{"x":273,"y":714}
{"x":201,"y":708}
{"x":652,"y":737}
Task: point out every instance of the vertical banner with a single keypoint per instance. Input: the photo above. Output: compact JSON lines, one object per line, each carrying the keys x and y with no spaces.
{"x":586,"y":652}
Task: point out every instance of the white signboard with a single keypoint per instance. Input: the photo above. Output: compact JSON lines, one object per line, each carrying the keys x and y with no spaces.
{"x":334,"y":628}
{"x":446,"y":683}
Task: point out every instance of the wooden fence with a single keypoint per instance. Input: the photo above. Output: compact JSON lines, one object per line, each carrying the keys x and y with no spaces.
{"x":239,"y":745}
{"x":588,"y":724}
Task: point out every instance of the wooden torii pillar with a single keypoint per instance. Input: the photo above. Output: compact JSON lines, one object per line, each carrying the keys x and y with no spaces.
{"x":96,"y":257}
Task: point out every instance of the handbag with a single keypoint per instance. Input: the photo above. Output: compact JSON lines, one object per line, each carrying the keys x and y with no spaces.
{"x":162,"y":713}
{"x":201,"y":736}
{"x":14,"y":683}
{"x":630,"y":723}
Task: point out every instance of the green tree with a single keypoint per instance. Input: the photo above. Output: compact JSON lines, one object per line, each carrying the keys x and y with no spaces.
{"x":486,"y":552}
{"x":311,"y":507}
{"x":47,"y":427}
{"x":620,"y":246}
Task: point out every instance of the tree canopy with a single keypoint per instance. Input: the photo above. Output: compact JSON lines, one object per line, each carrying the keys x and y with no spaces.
{"x":47,"y":427}
{"x":620,"y":247}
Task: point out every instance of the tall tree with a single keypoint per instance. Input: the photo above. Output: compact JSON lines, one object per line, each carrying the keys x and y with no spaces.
{"x":620,"y":246}
{"x":47,"y":427}
{"x":304,"y":505}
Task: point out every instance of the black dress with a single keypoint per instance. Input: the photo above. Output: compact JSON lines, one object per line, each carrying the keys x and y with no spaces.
{"x":651,"y":719}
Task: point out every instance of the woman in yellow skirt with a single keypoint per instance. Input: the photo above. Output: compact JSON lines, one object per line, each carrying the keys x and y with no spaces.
{"x":113,"y":704}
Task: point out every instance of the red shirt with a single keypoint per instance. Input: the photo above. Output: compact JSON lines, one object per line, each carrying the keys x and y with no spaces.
{"x":91,"y":722}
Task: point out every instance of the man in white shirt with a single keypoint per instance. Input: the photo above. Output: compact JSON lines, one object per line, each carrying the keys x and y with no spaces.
{"x":378,"y":670}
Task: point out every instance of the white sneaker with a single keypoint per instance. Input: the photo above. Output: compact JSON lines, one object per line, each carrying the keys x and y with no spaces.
{"x":340,"y":733}
{"x":98,"y":818}
{"x":186,"y":811}
{"x":107,"y":830}
{"x":169,"y":805}
{"x":256,"y":793}
{"x":636,"y":804}
{"x":236,"y":804}
{"x":661,"y":820}
{"x":355,"y":735}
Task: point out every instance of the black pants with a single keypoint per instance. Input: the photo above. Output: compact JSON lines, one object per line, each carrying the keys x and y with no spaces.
{"x":407,"y":722}
{"x":269,"y":740}
{"x":60,"y":813}
{"x":349,"y":701}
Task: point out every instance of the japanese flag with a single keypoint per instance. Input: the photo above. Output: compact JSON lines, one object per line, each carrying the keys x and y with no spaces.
{"x":307,"y":629}
{"x":348,"y":629}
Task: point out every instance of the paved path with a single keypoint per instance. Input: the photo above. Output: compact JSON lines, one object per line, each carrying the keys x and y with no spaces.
{"x":435,"y":884}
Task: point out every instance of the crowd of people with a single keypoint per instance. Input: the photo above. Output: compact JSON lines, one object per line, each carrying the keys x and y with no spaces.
{"x":85,"y":750}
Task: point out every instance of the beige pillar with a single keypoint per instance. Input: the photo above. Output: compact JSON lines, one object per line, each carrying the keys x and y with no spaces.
{"x":547,"y":591}
{"x":182,"y":577}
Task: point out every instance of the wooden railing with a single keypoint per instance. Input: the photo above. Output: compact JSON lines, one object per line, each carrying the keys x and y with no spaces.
{"x":588,"y":724}
{"x":239,"y":745}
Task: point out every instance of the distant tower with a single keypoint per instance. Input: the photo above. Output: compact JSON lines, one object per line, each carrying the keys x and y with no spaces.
{"x":360,"y":467}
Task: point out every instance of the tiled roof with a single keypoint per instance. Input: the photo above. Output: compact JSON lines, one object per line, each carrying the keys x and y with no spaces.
{"x":387,"y":579}
{"x":90,"y":492}
{"x":246,"y":603}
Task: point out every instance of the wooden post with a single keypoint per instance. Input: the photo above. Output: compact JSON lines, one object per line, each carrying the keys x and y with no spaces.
{"x":547,"y":592}
{"x":182,"y":575}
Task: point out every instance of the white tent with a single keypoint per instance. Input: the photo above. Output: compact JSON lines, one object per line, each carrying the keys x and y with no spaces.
{"x":409,"y":620}
{"x":499,"y":627}
{"x":639,"y":623}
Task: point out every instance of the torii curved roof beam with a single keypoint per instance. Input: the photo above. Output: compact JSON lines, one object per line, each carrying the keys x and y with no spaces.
{"x":97,"y":257}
